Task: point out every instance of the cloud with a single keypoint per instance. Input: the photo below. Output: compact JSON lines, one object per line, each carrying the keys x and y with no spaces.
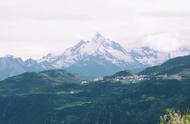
{"x":168,"y":14}
{"x":43,"y":26}
{"x":162,"y":41}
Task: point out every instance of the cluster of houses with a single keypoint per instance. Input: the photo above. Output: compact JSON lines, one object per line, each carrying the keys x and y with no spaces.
{"x":96,"y":79}
{"x":133,"y":78}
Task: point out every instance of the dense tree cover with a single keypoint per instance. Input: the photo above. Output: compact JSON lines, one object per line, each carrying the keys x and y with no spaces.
{"x":102,"y":102}
{"x":57,"y":97}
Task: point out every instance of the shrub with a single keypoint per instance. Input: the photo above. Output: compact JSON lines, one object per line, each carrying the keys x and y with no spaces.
{"x":173,"y":117}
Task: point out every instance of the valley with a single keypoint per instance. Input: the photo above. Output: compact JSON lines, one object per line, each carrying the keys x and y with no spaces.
{"x":60,"y":97}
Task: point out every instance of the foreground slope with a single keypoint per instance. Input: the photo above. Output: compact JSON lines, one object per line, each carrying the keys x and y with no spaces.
{"x":49,"y":99}
{"x":101,"y":102}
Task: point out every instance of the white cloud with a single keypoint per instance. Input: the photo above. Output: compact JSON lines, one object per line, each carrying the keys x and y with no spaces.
{"x":162,"y":41}
{"x":33,"y":28}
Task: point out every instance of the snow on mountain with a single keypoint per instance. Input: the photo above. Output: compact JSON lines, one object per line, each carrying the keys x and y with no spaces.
{"x":97,"y":57}
{"x":151,"y":57}
{"x":103,"y":56}
{"x":98,"y":46}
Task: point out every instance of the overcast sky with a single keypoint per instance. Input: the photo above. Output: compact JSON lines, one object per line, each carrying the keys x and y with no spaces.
{"x":33,"y":28}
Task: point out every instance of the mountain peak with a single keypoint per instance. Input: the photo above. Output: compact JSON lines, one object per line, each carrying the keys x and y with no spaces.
{"x":98,"y":38}
{"x":97,"y":34}
{"x":98,"y":52}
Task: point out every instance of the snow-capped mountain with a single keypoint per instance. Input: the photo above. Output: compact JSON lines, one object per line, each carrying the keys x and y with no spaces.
{"x":150,"y":57}
{"x":98,"y":46}
{"x":99,"y":56}
{"x":11,"y":66}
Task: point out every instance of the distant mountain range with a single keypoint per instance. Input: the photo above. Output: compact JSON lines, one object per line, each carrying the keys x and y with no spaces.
{"x":98,"y":57}
{"x":11,"y":66}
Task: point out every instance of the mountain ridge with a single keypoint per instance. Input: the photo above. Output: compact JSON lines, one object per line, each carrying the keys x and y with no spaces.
{"x":11,"y":66}
{"x":99,"y":52}
{"x":178,"y":66}
{"x":97,"y":46}
{"x":108,"y":56}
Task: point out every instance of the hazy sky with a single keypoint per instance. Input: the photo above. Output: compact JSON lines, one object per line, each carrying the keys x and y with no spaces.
{"x":33,"y":28}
